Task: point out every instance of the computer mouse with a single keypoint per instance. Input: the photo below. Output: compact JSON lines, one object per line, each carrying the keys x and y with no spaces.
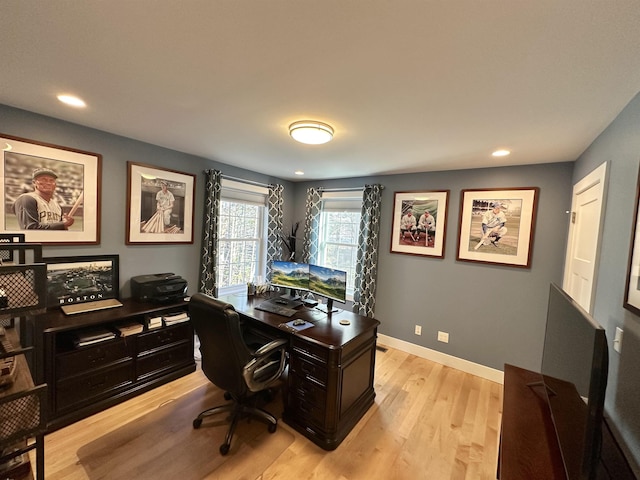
{"x":298,"y":322}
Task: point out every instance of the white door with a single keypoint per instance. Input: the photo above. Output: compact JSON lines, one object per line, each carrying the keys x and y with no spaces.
{"x":585,"y":227}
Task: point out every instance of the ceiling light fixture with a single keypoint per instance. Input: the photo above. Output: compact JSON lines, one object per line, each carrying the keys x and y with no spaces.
{"x":501,"y":153}
{"x":299,"y":172}
{"x":311,"y":132}
{"x":72,"y":101}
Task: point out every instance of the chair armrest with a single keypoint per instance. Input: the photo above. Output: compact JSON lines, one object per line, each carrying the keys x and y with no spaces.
{"x":270,"y":347}
{"x":255,"y":370}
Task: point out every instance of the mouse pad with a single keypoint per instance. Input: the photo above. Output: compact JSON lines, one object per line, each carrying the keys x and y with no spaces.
{"x":299,"y":327}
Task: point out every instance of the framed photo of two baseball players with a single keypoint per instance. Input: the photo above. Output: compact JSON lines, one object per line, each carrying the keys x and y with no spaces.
{"x":496,"y":226}
{"x":50,"y":193}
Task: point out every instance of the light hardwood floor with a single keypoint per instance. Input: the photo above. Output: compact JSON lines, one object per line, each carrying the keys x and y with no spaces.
{"x":428,"y":422}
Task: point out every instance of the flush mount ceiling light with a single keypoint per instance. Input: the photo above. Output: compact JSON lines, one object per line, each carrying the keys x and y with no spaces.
{"x":311,"y":132}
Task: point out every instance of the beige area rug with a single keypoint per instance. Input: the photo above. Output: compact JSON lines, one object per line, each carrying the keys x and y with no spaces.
{"x":164,"y":445}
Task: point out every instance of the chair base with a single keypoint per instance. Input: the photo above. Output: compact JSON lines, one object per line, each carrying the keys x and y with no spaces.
{"x":238,"y":411}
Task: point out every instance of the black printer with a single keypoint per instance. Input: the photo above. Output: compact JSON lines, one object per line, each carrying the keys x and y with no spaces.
{"x":158,"y":287}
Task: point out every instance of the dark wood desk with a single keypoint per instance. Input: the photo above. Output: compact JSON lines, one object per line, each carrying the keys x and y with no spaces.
{"x":331,"y":368}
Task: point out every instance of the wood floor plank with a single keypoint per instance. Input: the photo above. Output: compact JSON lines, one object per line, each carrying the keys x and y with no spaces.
{"x":428,"y":422}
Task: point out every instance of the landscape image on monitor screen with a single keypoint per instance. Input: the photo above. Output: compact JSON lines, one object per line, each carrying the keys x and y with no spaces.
{"x":328,"y":282}
{"x":77,"y":282}
{"x":290,"y":274}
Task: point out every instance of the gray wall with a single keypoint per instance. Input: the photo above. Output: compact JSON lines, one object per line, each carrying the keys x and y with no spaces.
{"x":183,"y":260}
{"x":619,"y":145}
{"x":494,"y":314}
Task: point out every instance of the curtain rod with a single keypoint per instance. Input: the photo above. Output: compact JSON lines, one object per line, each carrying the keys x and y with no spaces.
{"x":243,"y":180}
{"x":346,"y":189}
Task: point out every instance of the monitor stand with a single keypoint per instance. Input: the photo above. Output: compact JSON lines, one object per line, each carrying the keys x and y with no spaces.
{"x":328,"y":308}
{"x":292,"y":296}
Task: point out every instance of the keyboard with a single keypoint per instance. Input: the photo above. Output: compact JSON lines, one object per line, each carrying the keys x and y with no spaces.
{"x":7,"y":364}
{"x":90,"y":306}
{"x":277,"y":309}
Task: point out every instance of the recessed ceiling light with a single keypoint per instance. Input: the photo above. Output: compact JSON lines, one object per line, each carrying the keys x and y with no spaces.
{"x":311,"y":132}
{"x":299,"y":172}
{"x":72,"y":101}
{"x":501,"y":153}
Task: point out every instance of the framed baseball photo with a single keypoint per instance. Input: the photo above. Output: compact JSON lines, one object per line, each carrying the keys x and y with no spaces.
{"x":496,"y":226}
{"x":632,"y":287}
{"x":160,"y":205}
{"x":51,"y":193}
{"x":419,"y":223}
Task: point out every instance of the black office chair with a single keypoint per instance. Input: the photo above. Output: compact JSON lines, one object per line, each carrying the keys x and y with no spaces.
{"x":231,"y":365}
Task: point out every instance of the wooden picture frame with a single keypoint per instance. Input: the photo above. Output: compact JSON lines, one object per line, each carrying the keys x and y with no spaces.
{"x":632,"y":283}
{"x":506,"y":241}
{"x":28,"y":167}
{"x":419,"y":235}
{"x":167,"y":219}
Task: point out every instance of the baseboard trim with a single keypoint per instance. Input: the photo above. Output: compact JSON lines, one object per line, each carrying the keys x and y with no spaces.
{"x":444,"y":359}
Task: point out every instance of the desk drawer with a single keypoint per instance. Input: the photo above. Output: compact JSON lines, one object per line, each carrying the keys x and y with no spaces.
{"x":90,"y":358}
{"x":155,"y":363}
{"x":163,"y":336}
{"x":310,"y":349}
{"x":309,"y":369}
{"x":305,"y":389}
{"x":306,"y":413}
{"x":72,"y":392}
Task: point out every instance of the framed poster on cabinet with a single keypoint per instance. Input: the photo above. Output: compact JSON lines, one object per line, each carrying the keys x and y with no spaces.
{"x":497,"y":225}
{"x":50,"y":193}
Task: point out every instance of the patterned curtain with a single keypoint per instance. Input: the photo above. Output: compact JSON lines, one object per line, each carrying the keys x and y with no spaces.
{"x":312,"y":225}
{"x":364,"y":295}
{"x":208,"y":265}
{"x":274,"y":225}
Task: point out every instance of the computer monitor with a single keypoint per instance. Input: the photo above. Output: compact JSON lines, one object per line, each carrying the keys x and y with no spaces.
{"x":329,"y":283}
{"x":292,"y":275}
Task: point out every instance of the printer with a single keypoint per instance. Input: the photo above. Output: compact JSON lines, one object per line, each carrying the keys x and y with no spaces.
{"x":158,"y":287}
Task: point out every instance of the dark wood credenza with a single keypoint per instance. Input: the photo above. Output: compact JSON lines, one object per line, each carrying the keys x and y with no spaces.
{"x":528,"y":444}
{"x":85,"y":380}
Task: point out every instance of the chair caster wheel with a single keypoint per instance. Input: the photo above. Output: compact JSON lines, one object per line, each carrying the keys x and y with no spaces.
{"x":272,"y":427}
{"x":224,"y":449}
{"x":197,"y":422}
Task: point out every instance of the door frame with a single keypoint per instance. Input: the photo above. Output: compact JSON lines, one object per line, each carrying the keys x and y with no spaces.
{"x":597,"y":175}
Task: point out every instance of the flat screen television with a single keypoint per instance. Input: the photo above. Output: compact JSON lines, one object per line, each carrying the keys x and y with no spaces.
{"x":575,"y":363}
{"x":80,"y":279}
{"x":291,"y":275}
{"x":329,"y":283}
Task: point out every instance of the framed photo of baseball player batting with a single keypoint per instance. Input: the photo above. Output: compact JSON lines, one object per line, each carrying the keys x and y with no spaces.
{"x":50,"y":193}
{"x":419,"y":223}
{"x":496,"y":226}
{"x":160,"y":203}
{"x":632,"y":287}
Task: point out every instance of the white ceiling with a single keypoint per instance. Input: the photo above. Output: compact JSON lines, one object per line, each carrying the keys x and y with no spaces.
{"x":408,"y":86}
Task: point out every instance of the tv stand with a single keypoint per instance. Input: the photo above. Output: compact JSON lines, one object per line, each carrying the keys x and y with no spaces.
{"x":528,"y":444}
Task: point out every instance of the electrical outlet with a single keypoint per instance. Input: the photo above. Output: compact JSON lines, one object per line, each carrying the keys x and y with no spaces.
{"x":418,"y":330}
{"x":443,"y":337}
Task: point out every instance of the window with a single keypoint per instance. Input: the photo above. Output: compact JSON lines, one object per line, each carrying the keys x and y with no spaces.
{"x":339,"y":227}
{"x":241,"y":236}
